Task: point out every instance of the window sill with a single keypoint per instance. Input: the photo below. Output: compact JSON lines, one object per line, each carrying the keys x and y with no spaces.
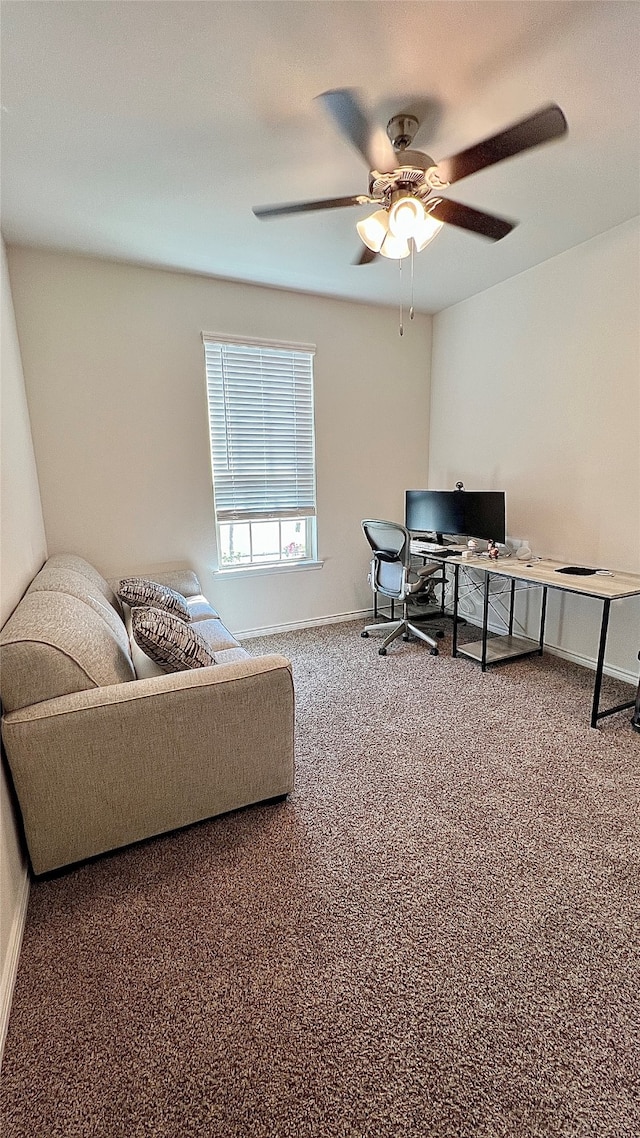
{"x":266,"y":570}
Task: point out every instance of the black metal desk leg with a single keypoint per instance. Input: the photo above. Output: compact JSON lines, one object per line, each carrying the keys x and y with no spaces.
{"x":543,"y":616}
{"x":606,"y":605}
{"x":485,"y":620}
{"x":511,"y":604}
{"x":454,"y":631}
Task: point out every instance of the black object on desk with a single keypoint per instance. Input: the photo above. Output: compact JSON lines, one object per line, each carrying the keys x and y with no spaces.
{"x":578,"y":570}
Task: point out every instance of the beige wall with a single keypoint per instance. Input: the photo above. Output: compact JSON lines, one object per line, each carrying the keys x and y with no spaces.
{"x":114,"y":369}
{"x":22,"y":552}
{"x":536,"y":390}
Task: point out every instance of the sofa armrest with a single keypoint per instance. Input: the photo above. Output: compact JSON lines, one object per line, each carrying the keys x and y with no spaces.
{"x":182,"y":581}
{"x":102,"y":768}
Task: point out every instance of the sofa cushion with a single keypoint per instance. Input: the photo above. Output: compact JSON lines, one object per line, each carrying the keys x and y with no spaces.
{"x":216,"y":636}
{"x":53,"y":578}
{"x":231,"y":655}
{"x":200,"y":609}
{"x":55,"y":644}
{"x":141,"y":592}
{"x":168,"y":641}
{"x":79,"y":565}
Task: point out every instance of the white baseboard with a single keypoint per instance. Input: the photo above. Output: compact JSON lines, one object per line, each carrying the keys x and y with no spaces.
{"x":339,"y":618}
{"x":362,"y":614}
{"x":10,"y":969}
{"x":572,"y":657}
{"x":587,"y":662}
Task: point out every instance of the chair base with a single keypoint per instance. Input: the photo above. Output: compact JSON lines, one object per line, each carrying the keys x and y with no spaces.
{"x":396,"y":628}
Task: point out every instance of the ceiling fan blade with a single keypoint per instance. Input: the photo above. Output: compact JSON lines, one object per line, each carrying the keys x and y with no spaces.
{"x":371,"y":143}
{"x":366,"y":257}
{"x":266,"y":211}
{"x":453,"y":213}
{"x":540,"y":127}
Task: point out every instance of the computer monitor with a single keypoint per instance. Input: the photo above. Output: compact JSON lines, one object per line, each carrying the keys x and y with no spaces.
{"x":466,"y":513}
{"x":484,"y":514}
{"x":434,"y":511}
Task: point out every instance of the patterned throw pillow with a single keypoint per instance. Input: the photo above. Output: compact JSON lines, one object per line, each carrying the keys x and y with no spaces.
{"x":168,"y":641}
{"x":138,"y":592}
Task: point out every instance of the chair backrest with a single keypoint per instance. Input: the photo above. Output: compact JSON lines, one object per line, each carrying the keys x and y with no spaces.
{"x":389,"y":542}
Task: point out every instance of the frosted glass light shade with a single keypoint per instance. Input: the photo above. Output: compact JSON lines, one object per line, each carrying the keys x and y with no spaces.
{"x":405,"y":217}
{"x":374,"y":229}
{"x":394,"y":247}
{"x":426,"y":232}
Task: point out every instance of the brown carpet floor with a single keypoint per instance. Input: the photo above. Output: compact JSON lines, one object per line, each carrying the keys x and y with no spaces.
{"x":436,"y":936}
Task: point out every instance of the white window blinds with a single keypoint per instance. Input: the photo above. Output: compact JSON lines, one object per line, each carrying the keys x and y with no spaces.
{"x":261,"y":427}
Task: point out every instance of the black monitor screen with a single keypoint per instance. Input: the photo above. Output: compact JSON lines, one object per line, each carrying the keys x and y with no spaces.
{"x":468,"y":513}
{"x":484,"y":514}
{"x":434,"y":511}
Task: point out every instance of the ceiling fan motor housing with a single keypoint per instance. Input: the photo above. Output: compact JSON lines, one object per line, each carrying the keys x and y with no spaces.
{"x":410,"y":175}
{"x":401,"y":130}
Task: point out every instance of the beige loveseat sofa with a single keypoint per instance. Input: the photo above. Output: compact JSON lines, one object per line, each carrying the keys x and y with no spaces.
{"x":101,"y":758}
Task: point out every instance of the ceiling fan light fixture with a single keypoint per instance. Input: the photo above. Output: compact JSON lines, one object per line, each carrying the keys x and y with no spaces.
{"x":406,"y":216}
{"x":373,"y":229}
{"x":426,"y":231}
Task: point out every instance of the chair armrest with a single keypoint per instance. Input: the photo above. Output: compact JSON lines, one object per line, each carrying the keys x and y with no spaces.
{"x":106,"y":767}
{"x":427,"y":570}
{"x":418,"y":579}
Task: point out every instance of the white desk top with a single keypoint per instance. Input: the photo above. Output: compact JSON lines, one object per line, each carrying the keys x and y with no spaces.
{"x":545,"y":573}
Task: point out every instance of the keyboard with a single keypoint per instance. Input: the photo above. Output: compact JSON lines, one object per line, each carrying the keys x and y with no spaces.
{"x":428,"y":546}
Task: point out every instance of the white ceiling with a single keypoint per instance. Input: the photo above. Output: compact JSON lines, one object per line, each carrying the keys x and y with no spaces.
{"x":146,"y":131}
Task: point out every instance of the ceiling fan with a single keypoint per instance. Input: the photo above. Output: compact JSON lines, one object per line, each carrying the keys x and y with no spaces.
{"x":405,"y":184}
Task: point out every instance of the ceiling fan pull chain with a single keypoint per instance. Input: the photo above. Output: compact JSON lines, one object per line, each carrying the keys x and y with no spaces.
{"x":401,"y":329}
{"x":413,"y":246}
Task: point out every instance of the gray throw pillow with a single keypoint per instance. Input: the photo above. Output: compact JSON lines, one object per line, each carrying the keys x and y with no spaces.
{"x":168,"y":641}
{"x":139,"y":592}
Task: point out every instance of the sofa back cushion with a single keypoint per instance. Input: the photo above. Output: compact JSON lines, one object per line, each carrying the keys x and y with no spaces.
{"x":85,"y":569}
{"x":55,"y":579}
{"x":56,"y":643}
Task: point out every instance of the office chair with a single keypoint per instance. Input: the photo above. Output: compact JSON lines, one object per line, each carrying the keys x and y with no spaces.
{"x":389,"y":575}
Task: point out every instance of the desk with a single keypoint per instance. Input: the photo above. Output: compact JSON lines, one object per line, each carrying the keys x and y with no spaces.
{"x":544,"y":575}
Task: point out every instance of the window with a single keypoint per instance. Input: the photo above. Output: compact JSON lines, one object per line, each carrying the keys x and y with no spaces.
{"x":260,"y":398}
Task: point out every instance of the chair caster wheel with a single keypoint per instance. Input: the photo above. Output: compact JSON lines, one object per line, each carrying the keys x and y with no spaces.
{"x":382,"y":651}
{"x":364,"y":634}
{"x":406,"y":638}
{"x":439,"y":634}
{"x":434,"y":652}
